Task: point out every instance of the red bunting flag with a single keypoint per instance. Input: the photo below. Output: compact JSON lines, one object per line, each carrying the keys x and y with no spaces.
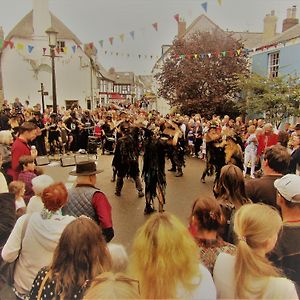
{"x":91,"y":45}
{"x":155,"y":26}
{"x":176,"y":17}
{"x":111,"y":40}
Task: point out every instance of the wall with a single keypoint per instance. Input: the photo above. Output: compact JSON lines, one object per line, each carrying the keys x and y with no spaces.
{"x":73,"y":75}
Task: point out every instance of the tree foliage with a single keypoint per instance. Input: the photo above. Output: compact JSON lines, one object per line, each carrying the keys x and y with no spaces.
{"x":206,"y":85}
{"x":275,"y":98}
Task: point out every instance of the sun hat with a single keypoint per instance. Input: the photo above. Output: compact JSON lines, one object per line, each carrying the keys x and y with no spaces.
{"x":288,"y":187}
{"x":86,"y":168}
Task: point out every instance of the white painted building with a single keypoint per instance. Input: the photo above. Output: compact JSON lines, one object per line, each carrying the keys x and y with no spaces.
{"x":24,"y":66}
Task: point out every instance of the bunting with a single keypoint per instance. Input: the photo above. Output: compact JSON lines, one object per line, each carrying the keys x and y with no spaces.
{"x":101,"y":43}
{"x":204,"y":6}
{"x":132,"y":34}
{"x":176,"y":17}
{"x":20,"y":46}
{"x":111,"y":40}
{"x":74,"y":49}
{"x":219,"y":2}
{"x":121,"y":36}
{"x":30,"y":48}
{"x":155,"y":26}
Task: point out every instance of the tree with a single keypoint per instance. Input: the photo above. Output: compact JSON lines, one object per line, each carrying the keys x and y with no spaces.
{"x":205,"y":82}
{"x":276,"y":98}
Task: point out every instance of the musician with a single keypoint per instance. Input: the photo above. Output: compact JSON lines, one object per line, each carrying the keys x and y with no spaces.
{"x":86,"y":129}
{"x":53,"y":134}
{"x":107,"y":137}
{"x":39,"y":141}
{"x":73,"y":124}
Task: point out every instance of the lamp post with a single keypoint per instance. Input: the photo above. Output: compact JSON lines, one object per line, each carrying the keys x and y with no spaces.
{"x":52,"y":35}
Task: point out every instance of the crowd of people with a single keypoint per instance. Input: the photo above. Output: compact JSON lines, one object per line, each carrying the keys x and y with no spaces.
{"x":61,"y":241}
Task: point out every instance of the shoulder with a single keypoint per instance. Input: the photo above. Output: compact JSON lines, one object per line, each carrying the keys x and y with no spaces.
{"x":282,"y":287}
{"x":224,"y":261}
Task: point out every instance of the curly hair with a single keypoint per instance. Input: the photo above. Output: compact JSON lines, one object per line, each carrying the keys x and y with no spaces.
{"x":55,"y":196}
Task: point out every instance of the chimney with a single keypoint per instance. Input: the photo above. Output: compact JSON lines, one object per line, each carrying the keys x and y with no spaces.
{"x":270,"y":23}
{"x":291,"y":19}
{"x":41,"y":17}
{"x":181,"y":28}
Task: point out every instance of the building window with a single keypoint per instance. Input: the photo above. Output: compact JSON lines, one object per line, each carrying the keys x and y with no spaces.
{"x":61,"y":45}
{"x":273,"y":64}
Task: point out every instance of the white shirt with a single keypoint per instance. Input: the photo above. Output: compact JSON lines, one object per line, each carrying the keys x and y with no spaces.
{"x":20,"y":203}
{"x":3,"y":184}
{"x":35,"y":204}
{"x":40,"y":240}
{"x":205,"y":287}
{"x":224,"y":278}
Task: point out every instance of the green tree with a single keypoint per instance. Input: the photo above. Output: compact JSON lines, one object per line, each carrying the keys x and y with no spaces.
{"x":276,"y":98}
{"x":203,"y":83}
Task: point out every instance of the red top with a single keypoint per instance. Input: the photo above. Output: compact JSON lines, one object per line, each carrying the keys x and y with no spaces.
{"x":265,"y":141}
{"x":103,"y":210}
{"x":18,"y":149}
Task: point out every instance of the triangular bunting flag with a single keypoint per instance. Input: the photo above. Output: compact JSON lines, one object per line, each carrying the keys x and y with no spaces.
{"x":44,"y":51}
{"x":73,"y":49}
{"x":111,"y":40}
{"x":132,"y":34}
{"x":155,"y":26}
{"x":30,"y":48}
{"x":1,"y":43}
{"x":105,"y":52}
{"x":176,"y":17}
{"x":209,"y":55}
{"x":219,"y":2}
{"x":195,"y":55}
{"x":204,"y":6}
{"x":122,"y":37}
{"x":101,"y":43}
{"x":91,"y":45}
{"x":20,"y":46}
{"x":223,"y":53}
{"x":65,"y":49}
{"x":202,"y":55}
{"x":139,"y":55}
{"x":238,"y":51}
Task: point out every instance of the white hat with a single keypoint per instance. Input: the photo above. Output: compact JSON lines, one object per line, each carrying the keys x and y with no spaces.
{"x":288,"y":187}
{"x":41,"y":182}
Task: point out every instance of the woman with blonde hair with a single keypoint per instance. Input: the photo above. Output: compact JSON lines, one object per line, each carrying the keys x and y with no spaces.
{"x":249,"y":274}
{"x":81,"y":255}
{"x":113,"y":286}
{"x":165,"y":261}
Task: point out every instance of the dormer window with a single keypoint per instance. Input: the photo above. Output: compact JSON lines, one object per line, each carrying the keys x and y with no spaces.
{"x":61,"y":45}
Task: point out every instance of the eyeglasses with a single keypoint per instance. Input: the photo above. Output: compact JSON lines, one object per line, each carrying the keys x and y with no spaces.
{"x":116,"y":277}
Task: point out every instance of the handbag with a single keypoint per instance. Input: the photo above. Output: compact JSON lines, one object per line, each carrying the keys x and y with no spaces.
{"x":7,"y":269}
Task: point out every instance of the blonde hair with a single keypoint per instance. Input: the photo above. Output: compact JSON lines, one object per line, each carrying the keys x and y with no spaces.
{"x":253,"y":233}
{"x":113,"y":286}
{"x":163,"y":255}
{"x":251,"y":129}
{"x":6,"y":137}
{"x":16,"y":186}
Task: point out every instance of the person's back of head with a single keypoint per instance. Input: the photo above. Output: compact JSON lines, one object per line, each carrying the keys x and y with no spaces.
{"x":55,"y":196}
{"x":231,"y":186}
{"x":206,"y":214}
{"x":162,"y":246}
{"x":39,"y":183}
{"x":113,"y":286}
{"x":119,"y":257}
{"x":257,"y":227}
{"x":277,"y":158}
{"x":81,"y":254}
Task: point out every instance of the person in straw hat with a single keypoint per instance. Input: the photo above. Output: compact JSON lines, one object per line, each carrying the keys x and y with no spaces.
{"x":86,"y":199}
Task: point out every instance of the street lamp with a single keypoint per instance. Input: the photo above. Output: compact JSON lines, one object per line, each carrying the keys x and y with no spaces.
{"x":52,"y":35}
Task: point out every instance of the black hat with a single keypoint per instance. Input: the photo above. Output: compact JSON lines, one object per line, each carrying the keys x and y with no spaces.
{"x":37,"y":113}
{"x":85,"y":168}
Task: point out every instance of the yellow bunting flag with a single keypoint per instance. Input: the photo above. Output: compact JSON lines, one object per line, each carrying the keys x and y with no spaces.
{"x":219,"y":2}
{"x":122,"y":37}
{"x":20,"y":46}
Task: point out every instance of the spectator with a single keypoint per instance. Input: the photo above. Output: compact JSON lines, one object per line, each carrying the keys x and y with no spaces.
{"x":86,"y":199}
{"x":250,"y":151}
{"x":27,"y":133}
{"x":18,"y":189}
{"x":39,"y":183}
{"x":275,"y":164}
{"x":205,"y":221}
{"x":26,"y":175}
{"x":41,"y":237}
{"x":113,"y":286}
{"x":230,"y":192}
{"x":3,"y":182}
{"x":81,"y":255}
{"x":164,"y":260}
{"x":249,"y":274}
{"x":295,"y":154}
{"x":6,"y":141}
{"x":119,"y":257}
{"x":286,"y":254}
{"x":267,"y":139}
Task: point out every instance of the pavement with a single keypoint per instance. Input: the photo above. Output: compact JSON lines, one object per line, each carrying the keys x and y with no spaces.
{"x":128,"y":210}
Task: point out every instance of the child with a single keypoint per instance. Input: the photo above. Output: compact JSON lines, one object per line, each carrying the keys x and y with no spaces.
{"x":18,"y":189}
{"x":250,"y":151}
{"x":26,"y":175}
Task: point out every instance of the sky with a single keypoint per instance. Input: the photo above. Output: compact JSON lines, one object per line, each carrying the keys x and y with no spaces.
{"x":99,"y":20}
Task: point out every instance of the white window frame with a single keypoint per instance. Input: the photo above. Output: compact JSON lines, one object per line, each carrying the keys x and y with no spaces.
{"x":273,"y":65}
